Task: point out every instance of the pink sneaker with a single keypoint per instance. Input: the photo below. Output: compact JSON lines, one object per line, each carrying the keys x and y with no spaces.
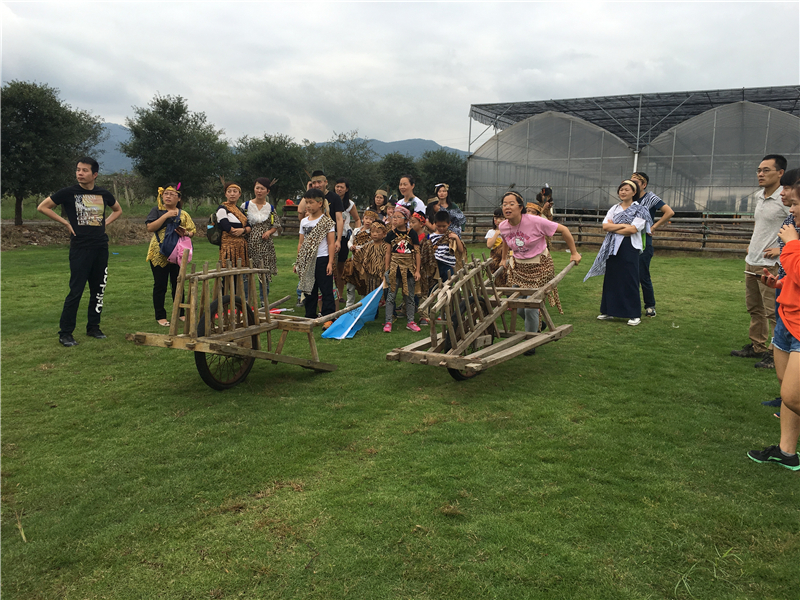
{"x":387,"y":328}
{"x":412,"y":326}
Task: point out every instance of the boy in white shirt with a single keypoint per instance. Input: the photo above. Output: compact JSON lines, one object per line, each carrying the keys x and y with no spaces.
{"x":315,"y":255}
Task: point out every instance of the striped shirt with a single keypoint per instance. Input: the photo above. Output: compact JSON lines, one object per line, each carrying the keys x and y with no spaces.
{"x":443,"y":253}
{"x":652,"y":203}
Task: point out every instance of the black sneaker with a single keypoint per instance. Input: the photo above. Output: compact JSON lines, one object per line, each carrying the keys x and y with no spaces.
{"x":96,"y":333}
{"x":746,"y":352}
{"x":768,"y":362}
{"x":650,"y":312}
{"x":773,"y":403}
{"x":773,"y":454}
{"x":67,"y":340}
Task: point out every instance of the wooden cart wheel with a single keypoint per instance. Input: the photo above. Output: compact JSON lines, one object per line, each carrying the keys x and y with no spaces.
{"x":463,"y":375}
{"x":216,"y":370}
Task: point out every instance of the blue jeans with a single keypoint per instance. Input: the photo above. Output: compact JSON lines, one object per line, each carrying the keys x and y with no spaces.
{"x":782,"y":339}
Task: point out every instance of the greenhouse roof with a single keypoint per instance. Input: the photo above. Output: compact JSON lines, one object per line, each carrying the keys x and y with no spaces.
{"x":638,"y":118}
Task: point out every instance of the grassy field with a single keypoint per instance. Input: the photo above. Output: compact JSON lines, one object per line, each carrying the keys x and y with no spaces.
{"x":611,"y":465}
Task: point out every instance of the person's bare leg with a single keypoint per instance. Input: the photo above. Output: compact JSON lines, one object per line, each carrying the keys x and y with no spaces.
{"x":790,"y":408}
{"x":781,"y":360}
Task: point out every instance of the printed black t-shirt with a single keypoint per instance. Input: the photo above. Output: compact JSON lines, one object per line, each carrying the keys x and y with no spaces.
{"x":402,"y":242}
{"x":86,"y":212}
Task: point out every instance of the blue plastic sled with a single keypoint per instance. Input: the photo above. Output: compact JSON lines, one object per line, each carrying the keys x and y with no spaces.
{"x":348,"y":324}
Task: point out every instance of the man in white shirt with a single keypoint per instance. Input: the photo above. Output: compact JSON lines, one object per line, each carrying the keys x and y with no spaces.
{"x":769,"y":215}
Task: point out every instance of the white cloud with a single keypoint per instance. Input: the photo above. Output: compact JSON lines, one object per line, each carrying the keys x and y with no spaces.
{"x":390,"y":70}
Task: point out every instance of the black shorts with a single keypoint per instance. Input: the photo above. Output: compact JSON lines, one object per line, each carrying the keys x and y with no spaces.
{"x":344,"y":250}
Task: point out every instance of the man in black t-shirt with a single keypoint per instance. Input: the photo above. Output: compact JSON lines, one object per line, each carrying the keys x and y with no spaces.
{"x":85,"y":207}
{"x":335,"y":206}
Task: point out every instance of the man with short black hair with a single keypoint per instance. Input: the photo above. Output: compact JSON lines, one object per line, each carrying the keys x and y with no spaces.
{"x":320,"y":182}
{"x":85,"y":206}
{"x":769,"y":215}
{"x":652,"y":203}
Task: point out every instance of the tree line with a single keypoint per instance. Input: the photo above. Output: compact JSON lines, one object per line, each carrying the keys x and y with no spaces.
{"x":42,"y":137}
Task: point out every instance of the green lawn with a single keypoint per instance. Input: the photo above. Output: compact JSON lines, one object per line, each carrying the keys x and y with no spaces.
{"x":610,"y":465}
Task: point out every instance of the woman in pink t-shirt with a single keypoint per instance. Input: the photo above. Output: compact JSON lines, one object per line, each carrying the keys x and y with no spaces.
{"x":531,"y":265}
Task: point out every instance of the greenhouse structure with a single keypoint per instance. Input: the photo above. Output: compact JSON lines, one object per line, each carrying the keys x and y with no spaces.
{"x":700,"y":149}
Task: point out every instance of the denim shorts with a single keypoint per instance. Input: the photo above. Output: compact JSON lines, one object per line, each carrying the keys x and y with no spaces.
{"x":782,"y":339}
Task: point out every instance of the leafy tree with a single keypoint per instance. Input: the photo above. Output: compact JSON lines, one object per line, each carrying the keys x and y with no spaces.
{"x":169,"y":143}
{"x":394,"y":165}
{"x":346,"y":155}
{"x":276,"y":156}
{"x":127,"y":187}
{"x":444,"y":166}
{"x":42,"y":137}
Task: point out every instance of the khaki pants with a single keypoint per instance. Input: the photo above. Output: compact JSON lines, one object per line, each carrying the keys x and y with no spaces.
{"x":760,"y":301}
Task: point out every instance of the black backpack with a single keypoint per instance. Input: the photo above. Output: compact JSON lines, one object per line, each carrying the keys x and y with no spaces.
{"x":213,"y":230}
{"x":171,"y":237}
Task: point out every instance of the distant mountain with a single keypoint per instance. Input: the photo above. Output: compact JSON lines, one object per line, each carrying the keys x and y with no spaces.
{"x":414,"y":148}
{"x":114,"y":161}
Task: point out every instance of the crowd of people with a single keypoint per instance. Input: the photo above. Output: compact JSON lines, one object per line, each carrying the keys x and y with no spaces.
{"x":410,"y":247}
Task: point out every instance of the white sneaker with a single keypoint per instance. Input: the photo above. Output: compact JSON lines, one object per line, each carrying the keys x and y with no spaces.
{"x":604,"y":318}
{"x":634,"y":322}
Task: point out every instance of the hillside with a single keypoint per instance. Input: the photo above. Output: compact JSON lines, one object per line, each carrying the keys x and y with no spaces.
{"x":112,"y":160}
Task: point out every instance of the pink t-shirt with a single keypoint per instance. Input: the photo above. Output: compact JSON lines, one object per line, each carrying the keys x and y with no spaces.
{"x":531,"y":231}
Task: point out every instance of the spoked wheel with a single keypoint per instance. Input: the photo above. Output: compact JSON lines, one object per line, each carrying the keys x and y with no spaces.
{"x":216,"y":370}
{"x":459,"y":374}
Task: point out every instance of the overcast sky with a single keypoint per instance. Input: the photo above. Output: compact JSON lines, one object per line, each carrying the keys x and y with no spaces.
{"x":392,"y":71}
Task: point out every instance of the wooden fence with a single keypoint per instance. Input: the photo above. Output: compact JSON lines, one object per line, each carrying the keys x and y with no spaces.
{"x":722,"y":234}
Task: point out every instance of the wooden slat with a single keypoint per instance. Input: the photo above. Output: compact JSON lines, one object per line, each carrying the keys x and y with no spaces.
{"x":437,"y":359}
{"x":498,"y":346}
{"x":244,"y":332}
{"x":324,"y":319}
{"x":313,"y":345}
{"x":176,"y":303}
{"x":221,"y":316}
{"x":281,"y":341}
{"x":193,"y":315}
{"x":225,"y":349}
{"x":478,"y":330}
{"x":227,"y":271}
{"x":548,"y":321}
{"x":534,"y":341}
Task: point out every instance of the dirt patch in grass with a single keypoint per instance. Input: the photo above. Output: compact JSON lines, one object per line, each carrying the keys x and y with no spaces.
{"x":122,"y":232}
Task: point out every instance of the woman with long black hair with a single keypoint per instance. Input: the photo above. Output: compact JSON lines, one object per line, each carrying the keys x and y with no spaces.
{"x":457,"y":219}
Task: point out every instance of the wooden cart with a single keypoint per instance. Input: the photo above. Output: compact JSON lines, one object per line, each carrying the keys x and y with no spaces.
{"x":477,"y":332}
{"x":224,"y":329}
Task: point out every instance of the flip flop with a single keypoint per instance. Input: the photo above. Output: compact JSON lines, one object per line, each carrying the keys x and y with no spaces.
{"x":165,"y":323}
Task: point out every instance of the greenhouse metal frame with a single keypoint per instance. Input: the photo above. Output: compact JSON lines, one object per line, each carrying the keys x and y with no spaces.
{"x":700,"y":149}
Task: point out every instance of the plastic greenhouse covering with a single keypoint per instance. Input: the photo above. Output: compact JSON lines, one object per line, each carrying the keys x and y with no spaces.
{"x":706,"y":163}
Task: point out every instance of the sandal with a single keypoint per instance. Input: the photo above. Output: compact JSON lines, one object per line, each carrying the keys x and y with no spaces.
{"x":163,"y":322}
